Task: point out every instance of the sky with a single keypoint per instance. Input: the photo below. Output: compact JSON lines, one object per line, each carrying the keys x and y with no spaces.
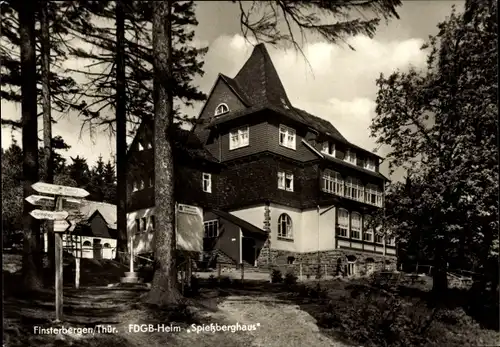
{"x":334,"y":83}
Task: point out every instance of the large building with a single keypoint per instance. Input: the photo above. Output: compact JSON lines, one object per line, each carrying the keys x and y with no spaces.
{"x":284,"y":171}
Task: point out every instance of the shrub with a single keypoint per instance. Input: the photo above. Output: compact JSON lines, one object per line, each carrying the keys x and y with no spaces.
{"x":290,"y":279}
{"x":194,"y":288}
{"x":276,"y":276}
{"x":225,"y":282}
{"x":212,"y":281}
{"x":378,"y":319}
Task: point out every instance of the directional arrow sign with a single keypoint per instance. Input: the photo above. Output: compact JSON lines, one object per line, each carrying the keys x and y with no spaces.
{"x":42,"y":199}
{"x":61,"y":226}
{"x":39,"y":199}
{"x":46,"y":188}
{"x":50,"y":215}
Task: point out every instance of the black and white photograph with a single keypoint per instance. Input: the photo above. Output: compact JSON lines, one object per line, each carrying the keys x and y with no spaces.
{"x":250,"y":173}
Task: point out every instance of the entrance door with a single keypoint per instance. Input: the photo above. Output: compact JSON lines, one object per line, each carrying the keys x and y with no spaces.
{"x":248,"y":250}
{"x":97,"y":249}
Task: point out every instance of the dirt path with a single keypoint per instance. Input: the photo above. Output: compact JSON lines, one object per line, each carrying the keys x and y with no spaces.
{"x":277,"y":323}
{"x":281,"y":324}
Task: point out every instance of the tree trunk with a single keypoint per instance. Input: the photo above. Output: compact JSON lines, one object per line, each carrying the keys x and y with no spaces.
{"x":164,"y":288}
{"x":48,"y":174}
{"x":121,"y":135}
{"x":440,"y":272}
{"x":31,"y":255}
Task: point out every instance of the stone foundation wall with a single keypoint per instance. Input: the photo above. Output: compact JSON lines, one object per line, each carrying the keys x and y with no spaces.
{"x":324,"y":263}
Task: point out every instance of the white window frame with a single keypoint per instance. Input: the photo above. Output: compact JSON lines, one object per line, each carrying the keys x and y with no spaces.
{"x":283,"y":179}
{"x":342,"y":229}
{"x":328,"y":148}
{"x":356,"y":228}
{"x":290,"y":136}
{"x":379,"y":237}
{"x":284,"y":220}
{"x":372,"y":191}
{"x":333,"y":182}
{"x":367,"y":231}
{"x":370,"y":164}
{"x":354,"y":189}
{"x":206,"y":182}
{"x":242,"y":136}
{"x":219,"y":109}
{"x":152,"y":222}
{"x":208,"y":232}
{"x":350,"y":157}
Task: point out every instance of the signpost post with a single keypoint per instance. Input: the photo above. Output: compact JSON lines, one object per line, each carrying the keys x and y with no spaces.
{"x":60,"y":225}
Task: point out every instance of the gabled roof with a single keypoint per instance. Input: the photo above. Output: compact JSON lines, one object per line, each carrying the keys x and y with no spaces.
{"x":240,"y":222}
{"x":259,"y":87}
{"x":107,"y":211}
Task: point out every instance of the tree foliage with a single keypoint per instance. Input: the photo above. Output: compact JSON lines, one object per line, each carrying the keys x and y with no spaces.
{"x":441,"y":125}
{"x":100,"y":34}
{"x":63,"y":87}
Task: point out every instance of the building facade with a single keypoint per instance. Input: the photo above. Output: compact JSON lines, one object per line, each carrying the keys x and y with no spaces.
{"x":288,"y":172}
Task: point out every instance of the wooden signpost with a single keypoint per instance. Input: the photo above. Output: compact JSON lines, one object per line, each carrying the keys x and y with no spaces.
{"x":61,"y":225}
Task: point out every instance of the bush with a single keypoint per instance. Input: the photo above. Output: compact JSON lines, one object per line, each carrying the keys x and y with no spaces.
{"x":225,"y":282}
{"x":194,"y":288}
{"x":212,"y":281}
{"x":386,"y":320}
{"x":276,"y":276}
{"x":290,"y":279}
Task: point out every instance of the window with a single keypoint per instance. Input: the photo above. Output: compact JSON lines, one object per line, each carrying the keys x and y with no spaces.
{"x":134,"y":186}
{"x":143,"y":223}
{"x":107,"y":245}
{"x":392,"y":241}
{"x":373,"y":195}
{"x":211,"y":228}
{"x":141,"y":184}
{"x":379,"y":238}
{"x":354,"y":189}
{"x":239,"y":138}
{"x":342,"y":222}
{"x":367,"y":231}
{"x":328,"y":148}
{"x":137,"y":225}
{"x":87,"y":244}
{"x":285,"y":227}
{"x":370,"y":164}
{"x":356,"y":225}
{"x":333,"y":183}
{"x":152,"y":222}
{"x":151,"y":181}
{"x":285,"y":181}
{"x":351,"y":266}
{"x":140,"y":146}
{"x":221,"y":109}
{"x":207,"y":183}
{"x":350,"y":157}
{"x":287,"y":137}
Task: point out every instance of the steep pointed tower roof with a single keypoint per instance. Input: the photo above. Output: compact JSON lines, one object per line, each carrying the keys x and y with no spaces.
{"x":259,"y":80}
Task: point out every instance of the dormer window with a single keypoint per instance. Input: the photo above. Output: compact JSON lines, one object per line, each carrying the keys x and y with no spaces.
{"x":370,"y":164}
{"x":328,"y":148}
{"x":221,"y":109}
{"x":141,"y":148}
{"x":350,"y":157}
{"x":287,"y":137}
